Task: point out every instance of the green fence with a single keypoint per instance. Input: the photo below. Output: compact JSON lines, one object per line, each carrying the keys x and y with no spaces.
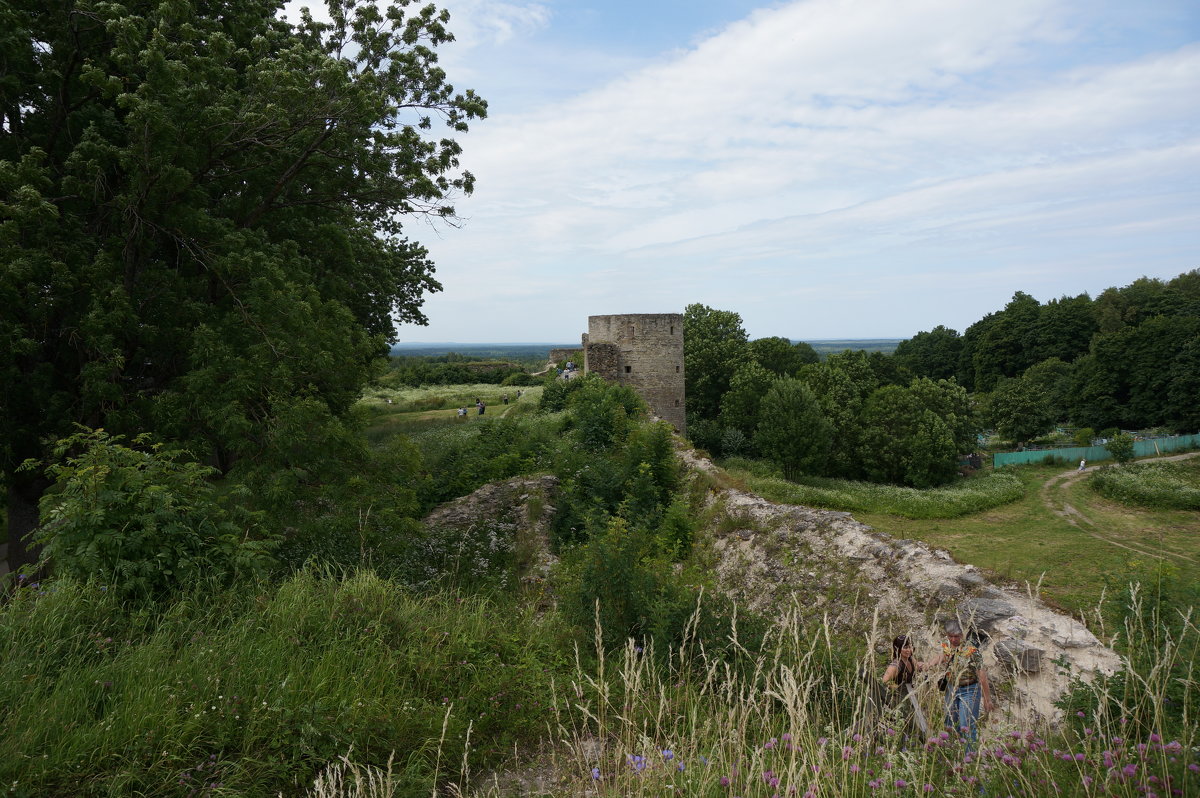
{"x":1073,"y":454}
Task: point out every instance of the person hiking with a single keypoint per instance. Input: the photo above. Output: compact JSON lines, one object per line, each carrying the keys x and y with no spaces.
{"x":898,"y":677}
{"x":965,"y":683}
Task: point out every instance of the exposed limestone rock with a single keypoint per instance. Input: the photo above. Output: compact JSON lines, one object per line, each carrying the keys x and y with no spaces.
{"x":910,"y":586}
{"x":984,"y":612}
{"x":1018,"y":655}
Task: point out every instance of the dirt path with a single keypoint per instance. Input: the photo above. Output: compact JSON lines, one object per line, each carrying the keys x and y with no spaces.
{"x":1053,"y":494}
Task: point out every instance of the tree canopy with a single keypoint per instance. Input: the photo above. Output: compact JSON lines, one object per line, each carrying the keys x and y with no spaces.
{"x":201,"y":217}
{"x":714,"y":346}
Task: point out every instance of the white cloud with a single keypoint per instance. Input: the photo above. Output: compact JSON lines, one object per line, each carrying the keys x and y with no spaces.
{"x":828,"y":138}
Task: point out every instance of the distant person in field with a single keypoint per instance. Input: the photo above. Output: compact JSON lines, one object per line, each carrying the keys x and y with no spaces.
{"x":504,"y":398}
{"x":1082,"y":464}
{"x":899,"y":678}
{"x":967,"y":688}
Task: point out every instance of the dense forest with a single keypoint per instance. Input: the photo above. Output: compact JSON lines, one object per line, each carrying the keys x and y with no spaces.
{"x":1130,"y":359}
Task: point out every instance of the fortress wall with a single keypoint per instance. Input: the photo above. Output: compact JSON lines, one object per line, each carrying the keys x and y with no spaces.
{"x":645,"y":352}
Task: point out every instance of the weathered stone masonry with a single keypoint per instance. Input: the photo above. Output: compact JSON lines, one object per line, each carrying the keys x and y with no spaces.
{"x":643,"y":351}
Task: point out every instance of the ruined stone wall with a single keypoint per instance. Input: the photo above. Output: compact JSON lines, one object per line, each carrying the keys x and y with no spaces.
{"x":558,"y":355}
{"x":645,"y":352}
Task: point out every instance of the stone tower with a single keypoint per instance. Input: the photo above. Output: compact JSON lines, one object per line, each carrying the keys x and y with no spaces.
{"x":643,"y":351}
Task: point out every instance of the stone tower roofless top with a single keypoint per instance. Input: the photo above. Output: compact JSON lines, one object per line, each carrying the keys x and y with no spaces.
{"x":645,"y":352}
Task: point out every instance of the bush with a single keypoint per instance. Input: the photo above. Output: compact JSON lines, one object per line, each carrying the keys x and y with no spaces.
{"x":521,"y":378}
{"x":1120,"y":446}
{"x":1163,"y":486}
{"x":962,"y":498}
{"x":144,"y":520}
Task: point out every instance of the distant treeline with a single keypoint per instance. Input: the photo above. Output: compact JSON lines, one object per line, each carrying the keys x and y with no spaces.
{"x":1129,"y":358}
{"x":825,"y":348}
{"x":528,"y":354}
{"x":456,"y":369}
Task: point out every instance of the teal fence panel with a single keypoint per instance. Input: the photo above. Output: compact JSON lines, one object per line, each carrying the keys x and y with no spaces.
{"x":1073,"y":454}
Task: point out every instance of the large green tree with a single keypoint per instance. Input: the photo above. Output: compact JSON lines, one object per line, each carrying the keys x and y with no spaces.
{"x":1020,"y":410}
{"x":714,"y":345}
{"x":782,"y":356}
{"x":740,"y":404}
{"x":906,"y":441}
{"x":201,"y":219}
{"x":792,"y":430}
{"x":932,"y":354}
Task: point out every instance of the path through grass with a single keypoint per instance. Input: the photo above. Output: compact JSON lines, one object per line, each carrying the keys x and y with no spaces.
{"x":1075,"y":554}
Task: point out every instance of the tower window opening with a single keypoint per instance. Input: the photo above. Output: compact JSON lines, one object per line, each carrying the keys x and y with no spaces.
{"x":628,"y":369}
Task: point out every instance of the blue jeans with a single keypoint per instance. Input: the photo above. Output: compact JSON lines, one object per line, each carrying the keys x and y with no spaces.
{"x":962,"y":712}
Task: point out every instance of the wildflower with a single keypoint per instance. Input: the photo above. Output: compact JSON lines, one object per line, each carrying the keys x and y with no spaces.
{"x":1080,"y":714}
{"x":857,"y":738}
{"x":668,"y":754}
{"x":854,"y":768}
{"x":787,"y":738}
{"x":679,"y":766}
{"x":822,"y":740}
{"x":703,"y":760}
{"x":1154,"y":738}
{"x":846,"y":751}
{"x":724,"y":781}
{"x":901,"y":784}
{"x":1079,"y":757}
{"x":595,"y":774}
{"x":1129,"y":771}
{"x":769,"y":744}
{"x":928,"y":788}
{"x":1194,"y":768}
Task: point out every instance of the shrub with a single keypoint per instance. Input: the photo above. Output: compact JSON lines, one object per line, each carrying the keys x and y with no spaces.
{"x":144,"y":520}
{"x":1120,"y":446}
{"x":1164,"y":486}
{"x":961,"y":498}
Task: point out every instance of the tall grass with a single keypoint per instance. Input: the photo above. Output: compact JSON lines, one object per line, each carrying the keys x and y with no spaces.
{"x":1160,"y":486}
{"x":962,"y":498}
{"x":792,"y":725}
{"x":350,"y":686}
{"x":253,"y":691}
{"x":447,"y":397}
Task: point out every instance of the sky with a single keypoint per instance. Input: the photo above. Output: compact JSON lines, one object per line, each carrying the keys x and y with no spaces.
{"x":824,"y":168}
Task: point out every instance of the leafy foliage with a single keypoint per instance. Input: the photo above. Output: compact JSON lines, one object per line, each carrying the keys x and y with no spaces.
{"x":1120,"y":446}
{"x":209,"y":202}
{"x":1020,"y":410}
{"x":740,"y":404}
{"x":792,"y":430}
{"x":781,"y":357}
{"x":144,"y":520}
{"x":714,"y":346}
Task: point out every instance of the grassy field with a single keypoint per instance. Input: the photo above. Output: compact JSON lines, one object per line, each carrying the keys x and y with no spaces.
{"x":413,"y":410}
{"x":1063,"y":535}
